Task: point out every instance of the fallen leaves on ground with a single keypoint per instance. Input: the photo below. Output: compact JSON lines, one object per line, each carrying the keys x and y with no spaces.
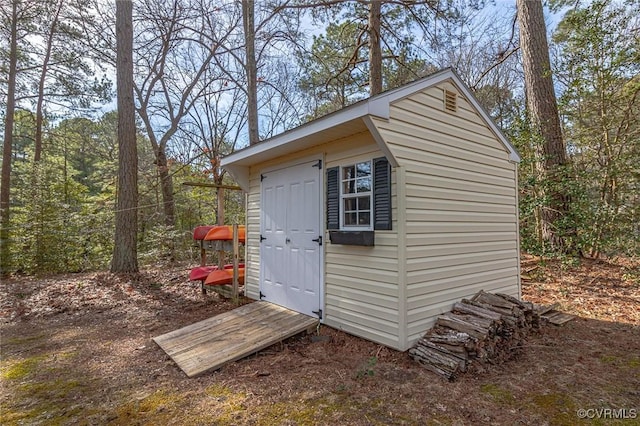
{"x":77,"y":349}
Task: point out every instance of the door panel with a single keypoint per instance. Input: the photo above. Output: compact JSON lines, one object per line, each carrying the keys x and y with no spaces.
{"x":273,"y":245}
{"x":290,"y":258}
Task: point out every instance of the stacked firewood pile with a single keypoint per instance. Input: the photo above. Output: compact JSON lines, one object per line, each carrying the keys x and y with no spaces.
{"x":488,"y":328}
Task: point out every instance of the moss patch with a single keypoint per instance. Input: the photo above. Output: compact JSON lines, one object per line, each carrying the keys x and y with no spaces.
{"x":229,"y":404}
{"x":17,"y":341}
{"x":559,"y":408}
{"x":500,"y":395}
{"x":41,"y":391}
{"x":621,"y":362}
{"x":17,"y":370}
{"x":37,"y":401}
{"x":159,"y":407}
{"x":158,"y":401}
{"x":326,"y":409}
{"x":56,"y":389}
{"x":219,"y":391}
{"x":13,"y":416}
{"x":608,"y":359}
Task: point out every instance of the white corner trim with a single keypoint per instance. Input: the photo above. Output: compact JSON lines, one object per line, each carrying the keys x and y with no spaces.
{"x":373,"y":129}
{"x":379,"y":106}
{"x":240,"y":174}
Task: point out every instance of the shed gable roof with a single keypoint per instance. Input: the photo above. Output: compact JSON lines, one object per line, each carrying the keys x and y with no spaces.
{"x":348,"y":121}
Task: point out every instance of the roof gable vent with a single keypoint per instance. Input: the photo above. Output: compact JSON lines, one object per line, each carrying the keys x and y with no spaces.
{"x":450,"y":101}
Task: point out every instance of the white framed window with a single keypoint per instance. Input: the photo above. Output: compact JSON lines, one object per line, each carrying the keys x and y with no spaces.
{"x":358,"y":196}
{"x":356,"y":184}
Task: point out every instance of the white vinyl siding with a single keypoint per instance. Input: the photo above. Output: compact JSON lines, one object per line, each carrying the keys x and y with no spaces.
{"x":362,"y":295}
{"x":252,"y":264}
{"x":461,"y":205}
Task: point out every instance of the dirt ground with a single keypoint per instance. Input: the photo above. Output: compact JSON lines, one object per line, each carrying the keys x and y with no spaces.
{"x":77,"y":349}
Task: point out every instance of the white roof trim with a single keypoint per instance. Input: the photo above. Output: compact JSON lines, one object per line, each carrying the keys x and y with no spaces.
{"x":361,"y":109}
{"x":379,"y":140}
{"x":239,"y":162}
{"x":240,"y":175}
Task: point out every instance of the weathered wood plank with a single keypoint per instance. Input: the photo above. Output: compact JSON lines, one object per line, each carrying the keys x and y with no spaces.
{"x":213,"y":331}
{"x":173,"y":341}
{"x":467,"y":308}
{"x":557,"y":317}
{"x":209,"y":344}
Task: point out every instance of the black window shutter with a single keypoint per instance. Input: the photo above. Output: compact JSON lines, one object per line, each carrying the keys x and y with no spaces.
{"x":381,"y":194}
{"x":333,"y":198}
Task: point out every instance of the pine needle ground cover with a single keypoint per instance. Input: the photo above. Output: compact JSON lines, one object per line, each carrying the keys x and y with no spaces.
{"x":77,"y":349}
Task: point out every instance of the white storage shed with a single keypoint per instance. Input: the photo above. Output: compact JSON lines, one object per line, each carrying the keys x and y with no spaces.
{"x":380,"y":216}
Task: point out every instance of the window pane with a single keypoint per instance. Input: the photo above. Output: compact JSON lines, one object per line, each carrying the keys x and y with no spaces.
{"x":356,"y":179}
{"x":364,"y":169}
{"x":350,"y":219}
{"x":364,"y":184}
{"x":348,"y":172}
{"x":364,"y":203}
{"x":349,"y":187}
{"x":350,"y":204}
{"x":364,"y":218}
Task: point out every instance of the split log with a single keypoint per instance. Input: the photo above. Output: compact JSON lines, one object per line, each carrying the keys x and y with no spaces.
{"x":442,"y":372}
{"x":506,"y":314}
{"x":523,"y":305}
{"x":457,"y":351}
{"x":482,"y":324}
{"x":438,"y":358}
{"x":451,"y":337}
{"x":458,"y":324}
{"x":497,"y":309}
{"x":466,"y":308}
{"x":493,"y":300}
{"x":443,"y":363}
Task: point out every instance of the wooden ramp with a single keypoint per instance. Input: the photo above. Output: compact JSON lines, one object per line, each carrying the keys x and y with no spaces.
{"x":209,"y":344}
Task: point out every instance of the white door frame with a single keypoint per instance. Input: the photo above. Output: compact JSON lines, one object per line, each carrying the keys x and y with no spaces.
{"x":322,"y":225}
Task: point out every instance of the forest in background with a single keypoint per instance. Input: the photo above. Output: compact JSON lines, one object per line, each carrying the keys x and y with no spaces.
{"x":212,"y":76}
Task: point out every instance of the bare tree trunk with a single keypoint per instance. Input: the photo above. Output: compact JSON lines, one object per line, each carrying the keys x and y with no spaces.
{"x":248,"y":21}
{"x":220,"y":209}
{"x":5,"y":194}
{"x":166,"y":185}
{"x":543,"y":110}
{"x":43,"y":75}
{"x":125,"y":253}
{"x":220,"y":221}
{"x":375,"y":49}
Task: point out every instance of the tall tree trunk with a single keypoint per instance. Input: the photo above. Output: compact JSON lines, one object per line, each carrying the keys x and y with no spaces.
{"x":43,"y":75}
{"x":37,"y":150}
{"x":218,"y":179}
{"x":166,"y":185}
{"x":248,"y":21}
{"x":543,"y":110}
{"x":220,"y":216}
{"x":5,"y":194}
{"x":375,"y":49}
{"x":125,"y":252}
{"x":220,"y":204}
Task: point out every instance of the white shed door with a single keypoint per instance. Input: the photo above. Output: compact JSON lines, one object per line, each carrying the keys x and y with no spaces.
{"x":290,"y":248}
